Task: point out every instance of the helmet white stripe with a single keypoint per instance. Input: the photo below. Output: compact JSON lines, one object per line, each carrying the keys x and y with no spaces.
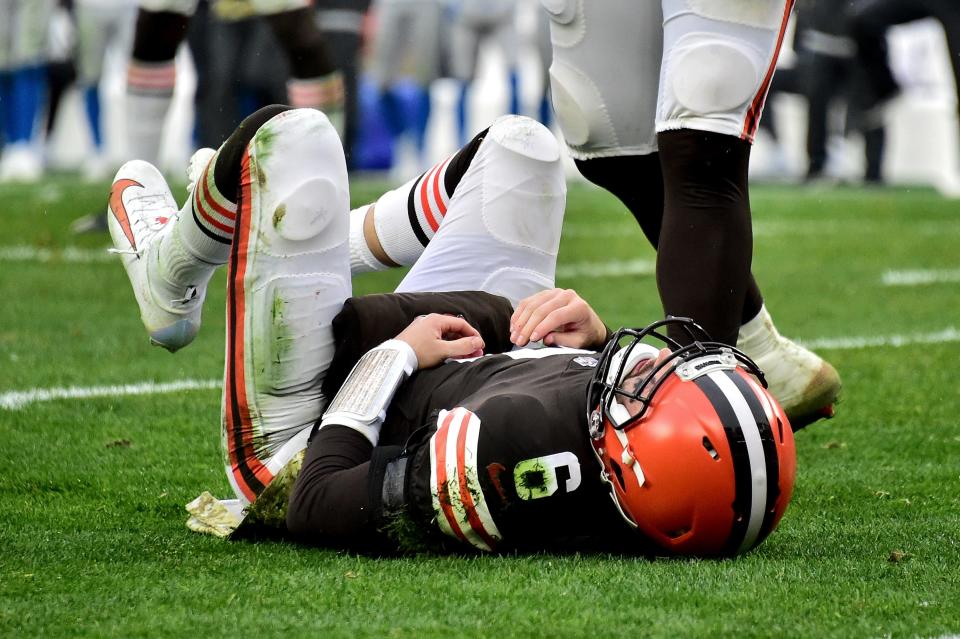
{"x":758,"y":468}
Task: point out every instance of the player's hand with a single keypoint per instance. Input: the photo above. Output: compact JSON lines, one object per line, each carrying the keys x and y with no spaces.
{"x":435,"y":338}
{"x":559,"y":317}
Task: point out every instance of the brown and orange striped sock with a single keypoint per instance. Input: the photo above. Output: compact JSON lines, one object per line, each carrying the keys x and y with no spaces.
{"x":199,"y":241}
{"x":203,"y":233}
{"x":405,"y":219}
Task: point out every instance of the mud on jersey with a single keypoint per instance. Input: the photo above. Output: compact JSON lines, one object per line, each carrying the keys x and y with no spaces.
{"x":498,"y":456}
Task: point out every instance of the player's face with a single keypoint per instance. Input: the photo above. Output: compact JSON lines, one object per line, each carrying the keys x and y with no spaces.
{"x":637,"y":375}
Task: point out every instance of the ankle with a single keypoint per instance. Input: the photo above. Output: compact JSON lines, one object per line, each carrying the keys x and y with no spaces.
{"x":758,"y":336}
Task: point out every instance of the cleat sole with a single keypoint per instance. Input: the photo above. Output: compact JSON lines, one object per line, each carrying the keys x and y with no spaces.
{"x":175,"y":336}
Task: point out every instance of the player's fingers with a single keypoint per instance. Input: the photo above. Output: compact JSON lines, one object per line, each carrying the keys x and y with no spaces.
{"x":522,"y":314}
{"x":554,"y":323}
{"x":463,"y":347}
{"x":452,"y":325}
{"x":539,"y":323}
{"x":550,"y":317}
{"x":572,"y":340}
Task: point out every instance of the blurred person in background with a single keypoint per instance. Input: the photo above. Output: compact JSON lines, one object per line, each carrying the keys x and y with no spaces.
{"x":669,"y":133}
{"x":102,"y":25}
{"x":474,"y":23}
{"x":407,"y":43}
{"x":61,"y":69}
{"x":23,"y":54}
{"x":826,"y":54}
{"x":869,"y":22}
{"x":161,"y":26}
{"x":341,"y":23}
{"x":240,"y":68}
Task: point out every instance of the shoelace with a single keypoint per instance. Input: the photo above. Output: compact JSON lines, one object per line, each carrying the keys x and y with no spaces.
{"x":147,"y":225}
{"x":189,"y":296}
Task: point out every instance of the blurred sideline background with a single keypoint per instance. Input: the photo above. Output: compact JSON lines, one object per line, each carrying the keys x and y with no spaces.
{"x":922,"y":145}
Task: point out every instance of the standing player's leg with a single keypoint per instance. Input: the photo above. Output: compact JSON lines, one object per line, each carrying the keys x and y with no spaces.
{"x":99,"y":27}
{"x":718,"y":62}
{"x":610,"y":130}
{"x":284,"y":176}
{"x":487,"y":218}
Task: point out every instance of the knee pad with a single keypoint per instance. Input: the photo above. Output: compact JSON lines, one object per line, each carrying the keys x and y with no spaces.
{"x":523,"y":186}
{"x":526,"y":137}
{"x":304,"y":212}
{"x":299,"y":176}
{"x":709,"y":74}
{"x":580,"y":108}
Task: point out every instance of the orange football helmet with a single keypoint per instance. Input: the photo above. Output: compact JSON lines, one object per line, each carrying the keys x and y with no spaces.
{"x":703,"y":462}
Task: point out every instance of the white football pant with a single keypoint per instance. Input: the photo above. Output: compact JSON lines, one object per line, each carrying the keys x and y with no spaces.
{"x":625,"y":70}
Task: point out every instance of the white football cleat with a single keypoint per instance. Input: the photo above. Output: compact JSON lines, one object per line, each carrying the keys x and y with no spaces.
{"x":20,"y":163}
{"x":806,"y":385}
{"x":141,"y":212}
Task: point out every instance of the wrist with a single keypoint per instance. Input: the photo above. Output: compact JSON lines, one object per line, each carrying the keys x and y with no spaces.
{"x":412,"y":363}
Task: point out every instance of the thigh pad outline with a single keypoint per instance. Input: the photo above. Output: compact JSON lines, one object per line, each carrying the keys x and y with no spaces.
{"x":580,"y":109}
{"x":709,"y":74}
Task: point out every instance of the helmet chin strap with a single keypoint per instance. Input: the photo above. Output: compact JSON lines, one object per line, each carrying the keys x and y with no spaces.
{"x":640,"y":352}
{"x":627,"y":459}
{"x":617,"y":412}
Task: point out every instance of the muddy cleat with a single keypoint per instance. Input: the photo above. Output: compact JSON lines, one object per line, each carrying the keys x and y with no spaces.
{"x":806,"y":385}
{"x":140,"y":214}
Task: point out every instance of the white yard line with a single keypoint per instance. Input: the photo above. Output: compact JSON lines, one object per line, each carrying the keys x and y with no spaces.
{"x":919,"y":277}
{"x":949,"y":334}
{"x":613,"y":268}
{"x":15,"y":400}
{"x":588,"y":228}
{"x":24,"y":253}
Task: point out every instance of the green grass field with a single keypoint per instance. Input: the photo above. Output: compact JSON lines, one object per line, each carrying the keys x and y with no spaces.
{"x":92,"y":535}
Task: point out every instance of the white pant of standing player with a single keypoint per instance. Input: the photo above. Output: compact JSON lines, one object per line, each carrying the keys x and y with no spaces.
{"x":680,"y":64}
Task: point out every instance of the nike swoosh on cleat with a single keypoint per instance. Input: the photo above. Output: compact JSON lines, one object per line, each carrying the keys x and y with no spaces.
{"x":119,"y":210}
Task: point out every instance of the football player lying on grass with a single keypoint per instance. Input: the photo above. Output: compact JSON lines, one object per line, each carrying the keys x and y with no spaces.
{"x":422,"y":418}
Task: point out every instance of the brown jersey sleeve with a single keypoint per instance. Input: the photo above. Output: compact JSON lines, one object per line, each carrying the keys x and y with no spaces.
{"x":366,"y":321}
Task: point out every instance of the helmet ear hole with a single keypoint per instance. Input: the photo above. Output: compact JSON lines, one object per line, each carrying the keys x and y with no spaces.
{"x":618,"y":473}
{"x":711,"y":450}
{"x":780,"y":429}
